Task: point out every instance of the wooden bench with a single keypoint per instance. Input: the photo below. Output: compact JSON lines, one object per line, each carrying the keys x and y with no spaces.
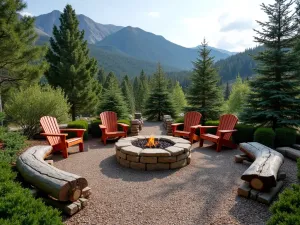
{"x":57,"y":183}
{"x":262,"y":174}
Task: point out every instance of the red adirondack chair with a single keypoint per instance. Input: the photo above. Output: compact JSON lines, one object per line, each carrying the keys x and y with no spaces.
{"x":224,"y":132}
{"x":191,"y":123}
{"x":109,"y":126}
{"x":57,"y":139}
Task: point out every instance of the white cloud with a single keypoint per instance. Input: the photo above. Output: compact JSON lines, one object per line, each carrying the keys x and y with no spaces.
{"x":154,"y":14}
{"x":26,"y":14}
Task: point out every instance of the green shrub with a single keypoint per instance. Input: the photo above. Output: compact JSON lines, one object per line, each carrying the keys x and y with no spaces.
{"x":298,"y":137}
{"x":17,"y":206}
{"x":95,"y":129}
{"x":298,"y":165}
{"x":287,"y":209}
{"x":212,"y":123}
{"x":26,"y":107}
{"x":265,"y":136}
{"x":285,"y":137}
{"x":80,"y":124}
{"x":179,"y":120}
{"x":244,"y":133}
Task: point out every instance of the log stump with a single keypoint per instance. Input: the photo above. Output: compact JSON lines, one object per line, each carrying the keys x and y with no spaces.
{"x":57,"y":183}
{"x":262,"y":174}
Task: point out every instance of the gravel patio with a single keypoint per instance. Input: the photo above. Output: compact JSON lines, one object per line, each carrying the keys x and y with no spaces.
{"x":204,"y":192}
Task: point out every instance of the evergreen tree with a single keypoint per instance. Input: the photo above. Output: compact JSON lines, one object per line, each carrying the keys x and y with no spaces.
{"x":204,"y":94}
{"x":136,"y":93}
{"x":159,"y":102}
{"x":101,"y":77}
{"x":128,"y":94}
{"x":178,"y":98}
{"x":227,"y":91}
{"x":71,"y":68}
{"x":143,"y":91}
{"x":21,"y":61}
{"x":274,"y":98}
{"x":111,"y":81}
{"x":238,"y":96}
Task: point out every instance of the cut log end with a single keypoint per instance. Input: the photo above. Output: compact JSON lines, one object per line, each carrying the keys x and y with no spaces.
{"x":75,"y":195}
{"x":257,"y":184}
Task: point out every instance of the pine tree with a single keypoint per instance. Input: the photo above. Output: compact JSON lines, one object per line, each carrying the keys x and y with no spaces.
{"x":136,"y":93}
{"x":204,"y":94}
{"x":71,"y":68}
{"x":159,"y":102}
{"x":178,"y":98}
{"x":128,"y":94}
{"x":101,"y":77}
{"x":111,"y":80}
{"x":274,"y":99}
{"x":143,"y":91}
{"x":21,"y":61}
{"x":227,"y":91}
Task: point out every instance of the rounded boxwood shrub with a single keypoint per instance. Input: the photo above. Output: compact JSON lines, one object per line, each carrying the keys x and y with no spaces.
{"x":285,"y":137}
{"x":95,"y":129}
{"x":244,"y":133}
{"x":80,"y":124}
{"x":265,"y":136}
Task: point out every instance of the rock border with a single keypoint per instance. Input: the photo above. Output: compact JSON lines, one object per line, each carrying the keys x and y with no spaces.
{"x":173,"y":157}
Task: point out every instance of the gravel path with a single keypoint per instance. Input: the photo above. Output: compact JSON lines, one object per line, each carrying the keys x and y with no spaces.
{"x":202,"y":193}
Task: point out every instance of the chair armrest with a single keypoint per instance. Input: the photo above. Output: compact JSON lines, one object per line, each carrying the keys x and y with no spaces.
{"x":227,"y":131}
{"x":196,"y":126}
{"x":73,"y":130}
{"x":176,"y":124}
{"x":123,"y":125}
{"x":58,"y":135}
{"x":102,"y":126}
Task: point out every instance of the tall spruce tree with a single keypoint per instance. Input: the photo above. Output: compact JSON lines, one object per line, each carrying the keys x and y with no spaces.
{"x":227,"y":91}
{"x":178,"y":98}
{"x":143,"y":90}
{"x":159,"y":102}
{"x":21,"y":61}
{"x":205,"y":94}
{"x":274,"y":98}
{"x":111,"y":81}
{"x":136,"y":93}
{"x":71,"y":67}
{"x":128,"y":94}
{"x":101,"y":77}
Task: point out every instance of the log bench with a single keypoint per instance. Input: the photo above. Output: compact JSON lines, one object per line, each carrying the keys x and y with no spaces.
{"x":58,"y":184}
{"x":262,"y":174}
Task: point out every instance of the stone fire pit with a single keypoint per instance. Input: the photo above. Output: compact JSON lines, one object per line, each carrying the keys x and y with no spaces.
{"x":176,"y":154}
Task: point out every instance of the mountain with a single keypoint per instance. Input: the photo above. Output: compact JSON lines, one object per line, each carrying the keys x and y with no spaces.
{"x":241,"y":63}
{"x":217,"y":49}
{"x":94,"y":32}
{"x":147,"y":46}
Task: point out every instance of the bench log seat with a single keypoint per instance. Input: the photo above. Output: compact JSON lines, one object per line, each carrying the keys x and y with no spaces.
{"x":262,"y":174}
{"x":57,"y":183}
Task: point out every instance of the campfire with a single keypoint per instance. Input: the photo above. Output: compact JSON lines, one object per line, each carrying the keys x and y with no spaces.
{"x":151,"y":142}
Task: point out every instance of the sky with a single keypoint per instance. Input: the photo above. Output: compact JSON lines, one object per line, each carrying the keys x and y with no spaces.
{"x":225,"y":24}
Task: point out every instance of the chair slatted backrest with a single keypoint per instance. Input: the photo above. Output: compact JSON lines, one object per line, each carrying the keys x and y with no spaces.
{"x":227,"y":122}
{"x":110,"y":120}
{"x":50,"y":126}
{"x":191,"y":119}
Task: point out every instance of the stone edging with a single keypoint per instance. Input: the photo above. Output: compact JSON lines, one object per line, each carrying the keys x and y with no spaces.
{"x":173,"y":157}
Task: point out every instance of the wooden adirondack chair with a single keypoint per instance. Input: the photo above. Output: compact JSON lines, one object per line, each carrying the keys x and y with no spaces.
{"x":224,"y":132}
{"x":109,"y":126}
{"x":57,"y":139}
{"x":191,"y":123}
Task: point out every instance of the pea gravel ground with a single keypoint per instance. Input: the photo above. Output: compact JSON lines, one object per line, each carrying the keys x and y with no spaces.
{"x":205,"y":192}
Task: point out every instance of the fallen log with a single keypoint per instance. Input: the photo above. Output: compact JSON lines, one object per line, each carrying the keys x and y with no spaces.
{"x":262,"y":174}
{"x":57,"y":183}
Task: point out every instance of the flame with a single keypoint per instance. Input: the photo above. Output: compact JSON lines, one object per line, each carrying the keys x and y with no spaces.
{"x":151,"y":142}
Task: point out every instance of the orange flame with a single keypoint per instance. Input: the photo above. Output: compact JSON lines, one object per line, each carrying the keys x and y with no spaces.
{"x":151,"y":142}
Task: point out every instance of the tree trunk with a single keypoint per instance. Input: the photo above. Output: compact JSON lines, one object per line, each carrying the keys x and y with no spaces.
{"x":262,"y":174}
{"x":59,"y":184}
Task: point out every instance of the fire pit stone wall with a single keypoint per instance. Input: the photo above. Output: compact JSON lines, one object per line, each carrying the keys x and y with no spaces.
{"x":176,"y":156}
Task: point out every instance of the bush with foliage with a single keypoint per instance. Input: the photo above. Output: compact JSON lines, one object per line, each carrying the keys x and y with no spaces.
{"x":125,"y":122}
{"x":265,"y":136}
{"x":298,"y":165}
{"x":80,"y":124}
{"x":298,"y":137}
{"x":285,"y":137}
{"x":95,"y":129}
{"x":17,"y":205}
{"x":27,"y":106}
{"x":212,"y":123}
{"x":244,"y":133}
